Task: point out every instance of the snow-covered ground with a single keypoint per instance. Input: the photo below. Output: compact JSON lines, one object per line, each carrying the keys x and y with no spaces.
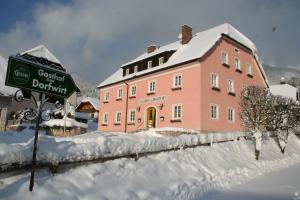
{"x":184,"y":174}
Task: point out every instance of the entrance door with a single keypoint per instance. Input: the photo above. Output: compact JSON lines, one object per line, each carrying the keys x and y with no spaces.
{"x":151,"y":116}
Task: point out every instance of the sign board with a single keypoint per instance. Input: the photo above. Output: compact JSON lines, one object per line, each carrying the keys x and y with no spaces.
{"x":152,"y":99}
{"x":24,"y":74}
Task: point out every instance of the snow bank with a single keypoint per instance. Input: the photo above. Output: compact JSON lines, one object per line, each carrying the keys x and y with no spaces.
{"x":183,"y":174}
{"x":95,"y":145}
{"x":68,"y":122}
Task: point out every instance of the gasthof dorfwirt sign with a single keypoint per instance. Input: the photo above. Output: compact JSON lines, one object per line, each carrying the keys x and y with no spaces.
{"x":33,"y":76}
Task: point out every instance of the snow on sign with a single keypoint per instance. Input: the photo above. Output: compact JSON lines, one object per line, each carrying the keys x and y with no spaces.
{"x":32,"y":76}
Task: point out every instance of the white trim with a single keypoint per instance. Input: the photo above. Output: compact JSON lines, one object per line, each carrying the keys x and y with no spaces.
{"x":129,"y":116}
{"x":145,"y":115}
{"x":116,"y":117}
{"x":249,"y":68}
{"x":149,"y":82}
{"x":131,"y":86}
{"x":103,"y":114}
{"x":149,"y":64}
{"x":161,"y":60}
{"x":217,"y":111}
{"x":217,"y":80}
{"x":173,"y":111}
{"x":135,"y":69}
{"x":174,"y":80}
{"x":230,"y":89}
{"x":227,"y":59}
{"x":106,"y":97}
{"x":118,"y":92}
{"x":233,"y":114}
{"x":240,"y":63}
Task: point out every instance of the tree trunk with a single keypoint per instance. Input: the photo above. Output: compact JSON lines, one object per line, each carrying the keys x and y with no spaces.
{"x":257,"y":152}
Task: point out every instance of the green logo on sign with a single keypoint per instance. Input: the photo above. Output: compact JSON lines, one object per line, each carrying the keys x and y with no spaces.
{"x":21,"y":74}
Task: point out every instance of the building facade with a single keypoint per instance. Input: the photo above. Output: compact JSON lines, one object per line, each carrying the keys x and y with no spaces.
{"x":192,"y":83}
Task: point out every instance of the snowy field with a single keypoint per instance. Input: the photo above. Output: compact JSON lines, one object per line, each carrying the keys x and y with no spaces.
{"x":184,"y":174}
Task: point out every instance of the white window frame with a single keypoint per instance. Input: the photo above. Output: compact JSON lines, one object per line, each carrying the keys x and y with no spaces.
{"x":237,"y":63}
{"x":136,"y":68}
{"x":174,"y":80}
{"x":226,"y":57}
{"x":231,"y":114}
{"x":117,"y":117}
{"x":119,"y":93}
{"x":249,"y":69}
{"x":216,"y":110}
{"x":149,"y":87}
{"x":161,"y":60}
{"x":178,"y":116}
{"x":149,"y":64}
{"x":131,"y":90}
{"x":230,"y":86}
{"x":106,"y":96}
{"x":127,"y":71}
{"x":214,"y":84}
{"x":130,"y":120}
{"x":105,"y":118}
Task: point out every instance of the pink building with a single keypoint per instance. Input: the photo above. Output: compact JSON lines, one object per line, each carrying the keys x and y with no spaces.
{"x":192,"y":83}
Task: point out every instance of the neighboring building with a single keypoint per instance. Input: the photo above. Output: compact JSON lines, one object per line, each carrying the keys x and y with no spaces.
{"x":89,"y":105}
{"x":192,"y":83}
{"x":285,"y":90}
{"x":38,"y":54}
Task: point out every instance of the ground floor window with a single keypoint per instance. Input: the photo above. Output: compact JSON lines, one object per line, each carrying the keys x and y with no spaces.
{"x":118,"y":117}
{"x":105,"y":118}
{"x":176,"y":111}
{"x":214,"y":111}
{"x":230,"y":114}
{"x":132,"y":116}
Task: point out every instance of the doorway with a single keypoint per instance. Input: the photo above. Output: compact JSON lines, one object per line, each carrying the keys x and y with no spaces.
{"x":151,"y":118}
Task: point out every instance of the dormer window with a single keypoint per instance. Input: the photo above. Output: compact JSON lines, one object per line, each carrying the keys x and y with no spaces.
{"x":149,"y":64}
{"x":135,"y":69}
{"x":127,"y":72}
{"x":160,"y":60}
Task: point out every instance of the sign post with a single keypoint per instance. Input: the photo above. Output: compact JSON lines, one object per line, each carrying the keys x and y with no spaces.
{"x":24,"y":74}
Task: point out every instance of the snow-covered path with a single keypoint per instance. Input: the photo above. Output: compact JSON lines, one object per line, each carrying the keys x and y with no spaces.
{"x":277,"y":185}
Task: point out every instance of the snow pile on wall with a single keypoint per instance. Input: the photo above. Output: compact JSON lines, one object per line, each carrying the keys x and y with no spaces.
{"x":184,"y":174}
{"x":95,"y":145}
{"x":68,"y":122}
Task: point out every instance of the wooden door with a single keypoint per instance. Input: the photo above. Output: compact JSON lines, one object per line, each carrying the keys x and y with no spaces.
{"x":151,"y":116}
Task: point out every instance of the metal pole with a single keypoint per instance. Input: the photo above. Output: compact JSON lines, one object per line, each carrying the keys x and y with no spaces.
{"x":33,"y":163}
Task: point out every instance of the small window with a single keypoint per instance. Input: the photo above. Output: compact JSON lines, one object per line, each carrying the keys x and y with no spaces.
{"x":177,"y":80}
{"x":237,"y":64}
{"x":136,"y":69}
{"x":230,"y":115}
{"x":224,"y":57}
{"x":131,"y":116}
{"x":105,"y":118}
{"x":160,"y":60}
{"x":236,"y":50}
{"x":176,"y":111}
{"x":151,"y":87}
{"x":119,"y":93}
{"x":214,"y":81}
{"x":214,"y":111}
{"x":149,"y":64}
{"x":230,"y":86}
{"x":118,"y":117}
{"x":106,"y":96}
{"x":249,"y":69}
{"x":127,"y":71}
{"x":133,"y":91}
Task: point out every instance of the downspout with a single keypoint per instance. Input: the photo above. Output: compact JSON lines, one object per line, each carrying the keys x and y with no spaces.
{"x":126,"y":108}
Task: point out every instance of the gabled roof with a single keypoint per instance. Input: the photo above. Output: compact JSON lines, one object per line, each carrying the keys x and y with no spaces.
{"x":284,"y":90}
{"x":200,"y":44}
{"x":93,"y":101}
{"x":42,"y":51}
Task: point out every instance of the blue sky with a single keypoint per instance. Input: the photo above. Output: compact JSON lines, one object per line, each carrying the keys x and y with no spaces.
{"x":94,"y":37}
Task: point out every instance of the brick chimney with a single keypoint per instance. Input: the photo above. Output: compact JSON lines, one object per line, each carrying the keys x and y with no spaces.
{"x":151,"y":48}
{"x":186,"y":34}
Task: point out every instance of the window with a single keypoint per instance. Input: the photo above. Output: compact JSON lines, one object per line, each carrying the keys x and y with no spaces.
{"x":237,"y":64}
{"x":160,"y":60}
{"x":230,"y":114}
{"x":136,"y":69}
{"x":214,"y":81}
{"x":127,"y":71}
{"x":106,"y":96}
{"x":230,"y":86}
{"x":131,"y":116}
{"x":119,"y":93}
{"x":177,"y":81}
{"x":249,"y":69}
{"x":224,"y":57}
{"x":214,"y":111}
{"x":118,"y":117}
{"x":133,"y":91}
{"x":151,"y":87}
{"x":149,"y":64}
{"x":176,"y":111}
{"x":105,"y":118}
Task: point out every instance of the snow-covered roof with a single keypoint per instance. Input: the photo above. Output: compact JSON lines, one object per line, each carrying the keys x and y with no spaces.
{"x":93,"y":101}
{"x":284,"y":90}
{"x":200,"y":44}
{"x":42,"y":51}
{"x":5,"y":90}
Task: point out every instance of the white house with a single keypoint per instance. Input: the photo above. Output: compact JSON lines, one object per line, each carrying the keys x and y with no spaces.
{"x":285,"y":90}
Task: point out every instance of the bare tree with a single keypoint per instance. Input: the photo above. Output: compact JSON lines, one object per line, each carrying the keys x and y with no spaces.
{"x":283,"y":118}
{"x":255,"y":109}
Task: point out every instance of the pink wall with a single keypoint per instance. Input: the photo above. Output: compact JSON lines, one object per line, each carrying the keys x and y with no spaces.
{"x":196,"y":94}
